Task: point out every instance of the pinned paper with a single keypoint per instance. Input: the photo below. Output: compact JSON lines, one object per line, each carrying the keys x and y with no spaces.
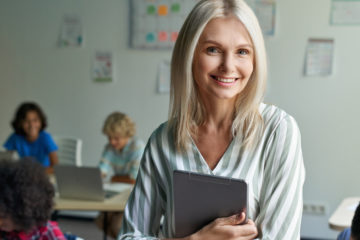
{"x":164,"y":77}
{"x":71,"y":31}
{"x":103,"y":67}
{"x":345,"y":12}
{"x":319,"y":57}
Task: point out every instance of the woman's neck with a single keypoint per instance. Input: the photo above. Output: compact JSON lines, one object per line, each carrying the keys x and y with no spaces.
{"x":219,"y":114}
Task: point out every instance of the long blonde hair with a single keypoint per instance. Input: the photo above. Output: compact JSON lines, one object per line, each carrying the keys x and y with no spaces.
{"x":186,"y":111}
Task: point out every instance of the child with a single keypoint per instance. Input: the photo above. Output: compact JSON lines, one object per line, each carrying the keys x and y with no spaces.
{"x":29,"y":138}
{"x":122,"y":154}
{"x":26,"y":202}
{"x":120,"y":160}
{"x":352,"y":233}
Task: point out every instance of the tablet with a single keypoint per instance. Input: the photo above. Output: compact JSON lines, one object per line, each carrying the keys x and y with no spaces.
{"x":200,"y":198}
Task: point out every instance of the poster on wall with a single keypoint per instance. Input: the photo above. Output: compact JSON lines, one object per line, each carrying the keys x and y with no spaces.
{"x":319,"y":57}
{"x":71,"y":34}
{"x":155,"y":24}
{"x":345,"y":12}
{"x":265,"y":11}
{"x":103,"y":67}
{"x":164,"y":77}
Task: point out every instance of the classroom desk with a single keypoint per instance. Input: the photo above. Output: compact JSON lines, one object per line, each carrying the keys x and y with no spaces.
{"x":115,"y":203}
{"x":343,"y":215}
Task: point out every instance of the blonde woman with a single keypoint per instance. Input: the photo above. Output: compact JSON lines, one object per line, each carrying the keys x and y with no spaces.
{"x":218,"y":125}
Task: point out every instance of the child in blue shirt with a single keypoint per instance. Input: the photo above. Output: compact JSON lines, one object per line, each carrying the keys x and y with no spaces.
{"x":29,"y":138}
{"x":352,"y":233}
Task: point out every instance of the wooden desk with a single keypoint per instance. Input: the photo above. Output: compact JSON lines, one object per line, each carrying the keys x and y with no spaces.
{"x":343,"y":215}
{"x":115,"y":203}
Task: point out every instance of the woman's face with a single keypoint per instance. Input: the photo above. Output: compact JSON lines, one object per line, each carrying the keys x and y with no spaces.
{"x":223,"y":59}
{"x":117,"y":141}
{"x":32,"y":125}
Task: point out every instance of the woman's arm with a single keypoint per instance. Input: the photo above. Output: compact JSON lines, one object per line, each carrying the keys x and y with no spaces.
{"x":145,"y":205}
{"x":280,"y":198}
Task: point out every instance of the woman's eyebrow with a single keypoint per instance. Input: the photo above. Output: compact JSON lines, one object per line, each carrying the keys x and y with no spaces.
{"x":209,"y":41}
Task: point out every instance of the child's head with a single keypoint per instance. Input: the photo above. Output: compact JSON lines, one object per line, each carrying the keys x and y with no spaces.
{"x":26,"y":195}
{"x":355,"y":225}
{"x":29,"y":119}
{"x":119,"y":128}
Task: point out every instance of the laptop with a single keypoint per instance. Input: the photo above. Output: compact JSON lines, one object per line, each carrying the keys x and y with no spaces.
{"x":83,"y":183}
{"x":201,"y":198}
{"x":9,"y":155}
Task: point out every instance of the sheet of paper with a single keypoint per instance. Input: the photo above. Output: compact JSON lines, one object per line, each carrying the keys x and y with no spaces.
{"x":352,"y":207}
{"x":164,"y":77}
{"x":265,"y":11}
{"x":117,"y":187}
{"x":103,"y":67}
{"x":71,"y":31}
{"x":345,"y":12}
{"x":319,"y":57}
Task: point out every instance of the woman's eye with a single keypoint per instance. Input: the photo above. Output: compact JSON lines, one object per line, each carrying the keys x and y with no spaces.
{"x":212,"y":50}
{"x":243,"y":52}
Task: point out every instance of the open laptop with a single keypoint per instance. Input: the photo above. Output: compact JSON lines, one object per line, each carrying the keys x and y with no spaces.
{"x":9,"y":155}
{"x":83,"y":183}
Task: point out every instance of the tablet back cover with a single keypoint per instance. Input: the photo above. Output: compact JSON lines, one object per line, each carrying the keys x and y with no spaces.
{"x":199,"y":199}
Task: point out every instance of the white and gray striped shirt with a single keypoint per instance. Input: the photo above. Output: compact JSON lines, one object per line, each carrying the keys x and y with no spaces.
{"x":274,"y":172}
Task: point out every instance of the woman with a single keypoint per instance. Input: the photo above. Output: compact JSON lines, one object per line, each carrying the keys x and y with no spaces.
{"x":218,"y":125}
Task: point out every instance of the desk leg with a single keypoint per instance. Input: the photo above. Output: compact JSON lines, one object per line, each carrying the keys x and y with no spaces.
{"x":105,"y":225}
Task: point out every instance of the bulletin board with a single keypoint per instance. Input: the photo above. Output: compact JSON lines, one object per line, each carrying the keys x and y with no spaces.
{"x":155,"y":24}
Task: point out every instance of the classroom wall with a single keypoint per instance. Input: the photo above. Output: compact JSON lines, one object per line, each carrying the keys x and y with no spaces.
{"x":326,"y":108}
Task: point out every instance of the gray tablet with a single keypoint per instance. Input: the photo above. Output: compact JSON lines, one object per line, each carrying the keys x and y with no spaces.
{"x":199,"y":199}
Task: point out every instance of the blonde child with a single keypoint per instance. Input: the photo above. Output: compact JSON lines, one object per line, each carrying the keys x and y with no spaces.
{"x":121,"y":156}
{"x":120,"y":160}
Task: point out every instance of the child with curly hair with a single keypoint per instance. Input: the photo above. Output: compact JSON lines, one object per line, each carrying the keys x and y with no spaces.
{"x":26,"y":201}
{"x":30,"y":138}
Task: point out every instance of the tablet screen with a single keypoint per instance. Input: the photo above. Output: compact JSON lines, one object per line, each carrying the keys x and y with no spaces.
{"x":200,"y":198}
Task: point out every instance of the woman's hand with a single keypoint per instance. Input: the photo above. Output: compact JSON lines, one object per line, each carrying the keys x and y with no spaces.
{"x":227,"y":228}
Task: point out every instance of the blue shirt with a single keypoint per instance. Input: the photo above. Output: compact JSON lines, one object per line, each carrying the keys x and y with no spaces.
{"x":345,"y":235}
{"x":39,"y":149}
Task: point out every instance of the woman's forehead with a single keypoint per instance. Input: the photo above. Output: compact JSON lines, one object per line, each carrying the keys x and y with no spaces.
{"x":223,"y":28}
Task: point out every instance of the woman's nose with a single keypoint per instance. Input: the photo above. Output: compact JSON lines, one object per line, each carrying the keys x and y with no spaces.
{"x":227,"y":64}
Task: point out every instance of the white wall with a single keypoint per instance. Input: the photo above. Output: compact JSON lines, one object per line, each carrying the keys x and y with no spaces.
{"x":326,"y":108}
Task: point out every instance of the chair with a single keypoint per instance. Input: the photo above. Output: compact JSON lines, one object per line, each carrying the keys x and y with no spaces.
{"x":69,"y":151}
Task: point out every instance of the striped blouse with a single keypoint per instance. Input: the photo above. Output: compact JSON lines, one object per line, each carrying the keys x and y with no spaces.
{"x":274,"y":172}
